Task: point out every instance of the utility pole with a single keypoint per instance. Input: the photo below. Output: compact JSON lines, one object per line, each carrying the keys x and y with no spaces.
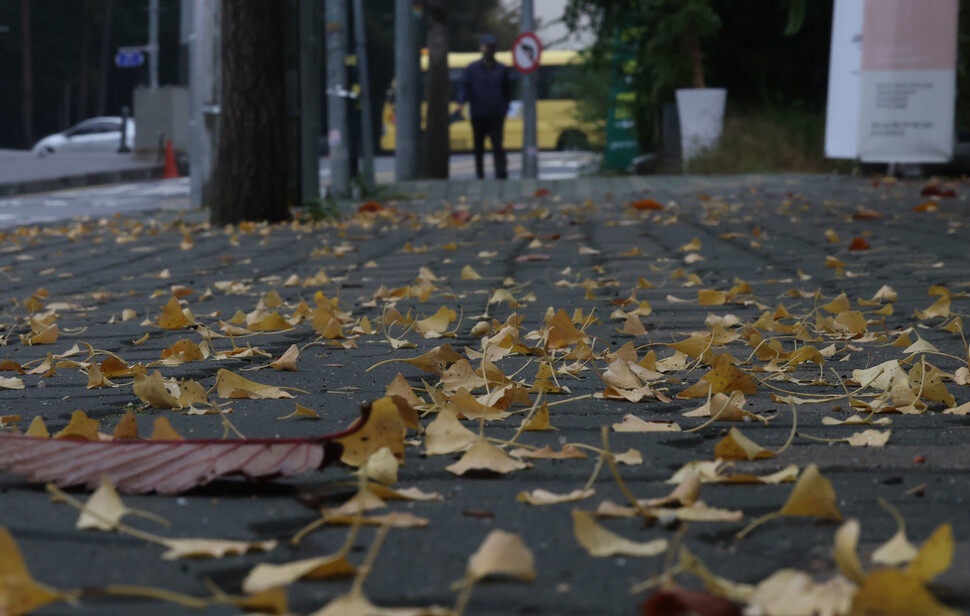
{"x":363,"y":76}
{"x":530,"y":92}
{"x":309,"y":160}
{"x":407,"y":95}
{"x":337,"y":94}
{"x":153,"y":43}
{"x":205,"y":86}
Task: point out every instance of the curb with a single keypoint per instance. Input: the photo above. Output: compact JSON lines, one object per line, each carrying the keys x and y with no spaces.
{"x":76,"y":181}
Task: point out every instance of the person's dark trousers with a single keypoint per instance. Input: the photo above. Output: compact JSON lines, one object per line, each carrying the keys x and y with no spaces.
{"x":494,"y":129}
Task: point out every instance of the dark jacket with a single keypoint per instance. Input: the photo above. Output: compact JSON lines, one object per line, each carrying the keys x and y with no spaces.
{"x":487,"y":91}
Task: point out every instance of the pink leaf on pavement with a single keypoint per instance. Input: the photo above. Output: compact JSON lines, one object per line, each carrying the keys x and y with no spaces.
{"x":167,"y":467}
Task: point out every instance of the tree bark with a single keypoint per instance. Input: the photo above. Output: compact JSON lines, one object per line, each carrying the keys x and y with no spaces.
{"x":251,"y":172}
{"x":105,"y":57}
{"x":436,"y":144}
{"x":27,"y":94}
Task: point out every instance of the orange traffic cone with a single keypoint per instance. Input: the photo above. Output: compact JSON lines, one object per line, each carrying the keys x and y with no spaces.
{"x":171,"y":170}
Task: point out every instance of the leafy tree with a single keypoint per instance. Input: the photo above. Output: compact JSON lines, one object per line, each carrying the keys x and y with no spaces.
{"x":675,"y":42}
{"x":251,"y":174}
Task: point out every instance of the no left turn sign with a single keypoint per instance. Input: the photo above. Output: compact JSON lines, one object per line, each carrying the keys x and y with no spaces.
{"x":526,"y":51}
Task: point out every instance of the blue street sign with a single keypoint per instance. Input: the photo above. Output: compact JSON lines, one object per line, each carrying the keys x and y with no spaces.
{"x":129,"y":59}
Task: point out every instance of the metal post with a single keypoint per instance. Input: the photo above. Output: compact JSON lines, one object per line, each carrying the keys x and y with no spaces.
{"x":204,"y":88}
{"x":337,"y":93}
{"x":530,"y":92}
{"x":363,"y":76}
{"x":125,"y":114}
{"x":309,"y":101}
{"x":407,"y":96}
{"x":153,"y":43}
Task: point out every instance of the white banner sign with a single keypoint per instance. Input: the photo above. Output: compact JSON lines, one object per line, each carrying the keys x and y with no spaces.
{"x":892,"y":98}
{"x":845,"y":62}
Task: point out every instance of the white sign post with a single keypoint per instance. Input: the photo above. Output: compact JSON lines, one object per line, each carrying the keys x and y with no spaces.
{"x":845,"y":63}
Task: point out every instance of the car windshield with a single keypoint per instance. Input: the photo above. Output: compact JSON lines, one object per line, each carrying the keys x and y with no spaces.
{"x":90,"y":127}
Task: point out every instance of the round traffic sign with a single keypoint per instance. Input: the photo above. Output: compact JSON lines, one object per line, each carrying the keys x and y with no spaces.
{"x":526,"y":51}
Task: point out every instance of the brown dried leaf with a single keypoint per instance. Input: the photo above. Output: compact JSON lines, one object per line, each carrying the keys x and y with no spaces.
{"x":502,"y":553}
{"x":230,"y":385}
{"x":483,"y":456}
{"x":600,"y":542}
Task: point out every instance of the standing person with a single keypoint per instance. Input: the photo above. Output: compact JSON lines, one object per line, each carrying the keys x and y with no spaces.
{"x":485,"y":87}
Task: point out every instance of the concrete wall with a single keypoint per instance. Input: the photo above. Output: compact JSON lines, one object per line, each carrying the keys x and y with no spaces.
{"x":162,"y":111}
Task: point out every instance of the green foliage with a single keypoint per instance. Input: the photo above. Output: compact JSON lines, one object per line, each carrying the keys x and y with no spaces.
{"x":763,"y":51}
{"x":769,"y":141}
{"x":323,"y":208}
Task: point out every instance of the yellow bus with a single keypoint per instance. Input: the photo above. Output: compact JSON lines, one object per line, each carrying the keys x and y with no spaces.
{"x":557,"y":125}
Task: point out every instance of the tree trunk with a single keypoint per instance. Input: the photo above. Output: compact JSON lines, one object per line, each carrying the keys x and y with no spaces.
{"x":82,"y":96}
{"x":691,"y":45}
{"x":251,"y":173}
{"x":26,"y":53}
{"x":105,"y":57}
{"x":436,"y":146}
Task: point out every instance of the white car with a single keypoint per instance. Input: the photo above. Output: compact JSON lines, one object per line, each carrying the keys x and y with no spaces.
{"x":93,"y":135}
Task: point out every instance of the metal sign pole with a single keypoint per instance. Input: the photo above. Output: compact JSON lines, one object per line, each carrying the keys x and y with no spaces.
{"x":530,"y":91}
{"x":363,"y":76}
{"x":337,"y":93}
{"x":407,"y":94}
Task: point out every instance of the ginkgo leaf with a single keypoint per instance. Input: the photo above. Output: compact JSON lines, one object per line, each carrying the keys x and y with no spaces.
{"x":174,"y":317}
{"x":19,"y":593}
{"x":483,"y":456}
{"x":230,"y":385}
{"x":446,"y":434}
{"x":501,"y":553}
{"x":212,"y":548}
{"x":737,"y":446}
{"x":686,"y":493}
{"x":81,"y":427}
{"x":813,"y":495}
{"x":381,"y":466}
{"x":600,"y":542}
{"x":723,"y":379}
{"x":182,"y":351}
{"x":436,"y":325}
{"x":104,"y":509}
{"x":632,"y":423}
{"x":387,"y":426}
{"x":789,"y":592}
{"x":11,"y":382}
{"x":287,"y":361}
{"x":845,"y":551}
{"x":898,"y":550}
{"x":568,"y":452}
{"x":891,"y":591}
{"x":301,"y":411}
{"x":539,"y":421}
{"x":935,"y":555}
{"x":154,"y":390}
{"x":167,"y":467}
{"x":545,"y":497}
{"x":268,"y":575}
{"x":869,"y":438}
